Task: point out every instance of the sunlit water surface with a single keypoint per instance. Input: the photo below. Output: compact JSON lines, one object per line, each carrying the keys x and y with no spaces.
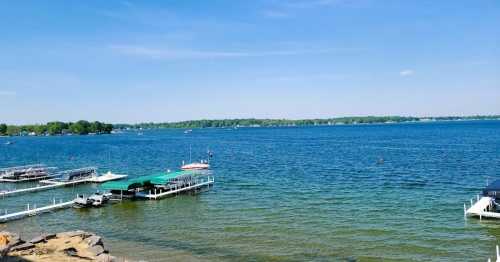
{"x":341,"y":193}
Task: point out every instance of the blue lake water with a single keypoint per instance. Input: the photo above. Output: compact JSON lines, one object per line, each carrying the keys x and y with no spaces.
{"x":283,"y":194}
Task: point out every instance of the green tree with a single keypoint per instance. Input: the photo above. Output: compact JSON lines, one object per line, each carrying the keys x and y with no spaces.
{"x":81,"y":127}
{"x":40,"y":129}
{"x":13,"y":130}
{"x":55,"y":128}
{"x":3,"y":129}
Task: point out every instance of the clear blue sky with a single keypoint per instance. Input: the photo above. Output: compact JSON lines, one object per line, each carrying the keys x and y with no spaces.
{"x":134,"y":61}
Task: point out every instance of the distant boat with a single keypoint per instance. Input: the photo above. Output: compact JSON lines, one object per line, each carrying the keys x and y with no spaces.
{"x":188,"y":131}
{"x":140,"y":133}
{"x":202,"y":165}
{"x":9,"y":142}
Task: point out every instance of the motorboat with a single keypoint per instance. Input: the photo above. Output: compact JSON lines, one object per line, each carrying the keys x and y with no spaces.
{"x":95,"y":200}
{"x":202,"y":165}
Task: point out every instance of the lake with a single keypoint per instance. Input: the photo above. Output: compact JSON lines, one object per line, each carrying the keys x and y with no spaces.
{"x":392,"y":192}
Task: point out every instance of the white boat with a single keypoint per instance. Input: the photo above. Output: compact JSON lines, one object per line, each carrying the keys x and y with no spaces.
{"x":106,"y":177}
{"x":95,"y":200}
{"x":202,"y":165}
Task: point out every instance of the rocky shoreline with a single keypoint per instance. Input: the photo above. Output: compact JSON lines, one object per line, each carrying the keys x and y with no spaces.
{"x":66,"y":246}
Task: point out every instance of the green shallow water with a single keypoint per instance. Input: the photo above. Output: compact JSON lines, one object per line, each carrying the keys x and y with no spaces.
{"x":284,"y":194}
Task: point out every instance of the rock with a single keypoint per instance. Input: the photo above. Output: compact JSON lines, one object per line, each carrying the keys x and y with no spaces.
{"x":4,"y":240}
{"x":96,"y":250}
{"x":105,"y":258}
{"x":7,"y":241}
{"x":94,"y":240}
{"x":42,"y":238}
{"x":21,"y":247}
{"x":77,"y":233}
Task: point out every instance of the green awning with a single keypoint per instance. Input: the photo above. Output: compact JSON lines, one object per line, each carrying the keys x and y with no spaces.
{"x":167,"y":177}
{"x":116,"y":185}
{"x":129,"y":184}
{"x":157,"y":179}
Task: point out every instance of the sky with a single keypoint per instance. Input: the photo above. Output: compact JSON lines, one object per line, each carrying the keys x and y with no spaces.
{"x":161,"y":61}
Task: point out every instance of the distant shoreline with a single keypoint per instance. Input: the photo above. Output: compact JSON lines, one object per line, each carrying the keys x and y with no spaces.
{"x":253,"y":122}
{"x":83,"y":127}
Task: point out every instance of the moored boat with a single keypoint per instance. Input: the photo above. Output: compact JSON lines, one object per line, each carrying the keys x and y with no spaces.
{"x":95,"y":200}
{"x":202,"y":165}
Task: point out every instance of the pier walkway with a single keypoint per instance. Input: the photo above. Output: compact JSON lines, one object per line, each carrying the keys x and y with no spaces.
{"x":40,"y":188}
{"x":159,"y":193}
{"x":53,"y":184}
{"x":34,"y":211}
{"x":481,"y":208}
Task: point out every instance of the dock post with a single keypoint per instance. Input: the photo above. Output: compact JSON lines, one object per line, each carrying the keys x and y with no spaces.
{"x":471,"y":204}
{"x":28,"y":206}
{"x":54,"y":201}
{"x":498,"y":254}
{"x":477,"y":197}
{"x":465,"y":212}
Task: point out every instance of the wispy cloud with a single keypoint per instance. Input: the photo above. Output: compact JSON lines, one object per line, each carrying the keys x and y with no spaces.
{"x":406,"y":72}
{"x":7,"y":93}
{"x":172,"y":53}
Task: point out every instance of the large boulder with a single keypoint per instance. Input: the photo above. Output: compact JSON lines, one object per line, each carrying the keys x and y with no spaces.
{"x":94,"y":240}
{"x":42,"y":238}
{"x":77,"y":233}
{"x":96,"y":250}
{"x":21,"y":247}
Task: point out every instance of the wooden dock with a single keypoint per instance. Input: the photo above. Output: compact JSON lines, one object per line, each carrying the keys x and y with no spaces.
{"x":34,"y":211}
{"x":158,"y":193}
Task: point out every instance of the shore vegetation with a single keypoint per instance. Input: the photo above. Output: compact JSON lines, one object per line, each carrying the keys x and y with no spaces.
{"x":253,"y":122}
{"x":81,"y":127}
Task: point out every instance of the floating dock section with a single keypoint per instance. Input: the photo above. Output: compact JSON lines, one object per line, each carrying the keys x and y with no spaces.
{"x":6,"y":217}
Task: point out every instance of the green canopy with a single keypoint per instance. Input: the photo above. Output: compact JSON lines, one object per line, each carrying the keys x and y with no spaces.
{"x":167,"y":177}
{"x":129,"y":184}
{"x":156,"y":179}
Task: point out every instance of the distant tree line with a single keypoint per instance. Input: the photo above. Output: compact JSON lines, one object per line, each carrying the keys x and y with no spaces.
{"x":249,"y":122}
{"x":81,"y":127}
